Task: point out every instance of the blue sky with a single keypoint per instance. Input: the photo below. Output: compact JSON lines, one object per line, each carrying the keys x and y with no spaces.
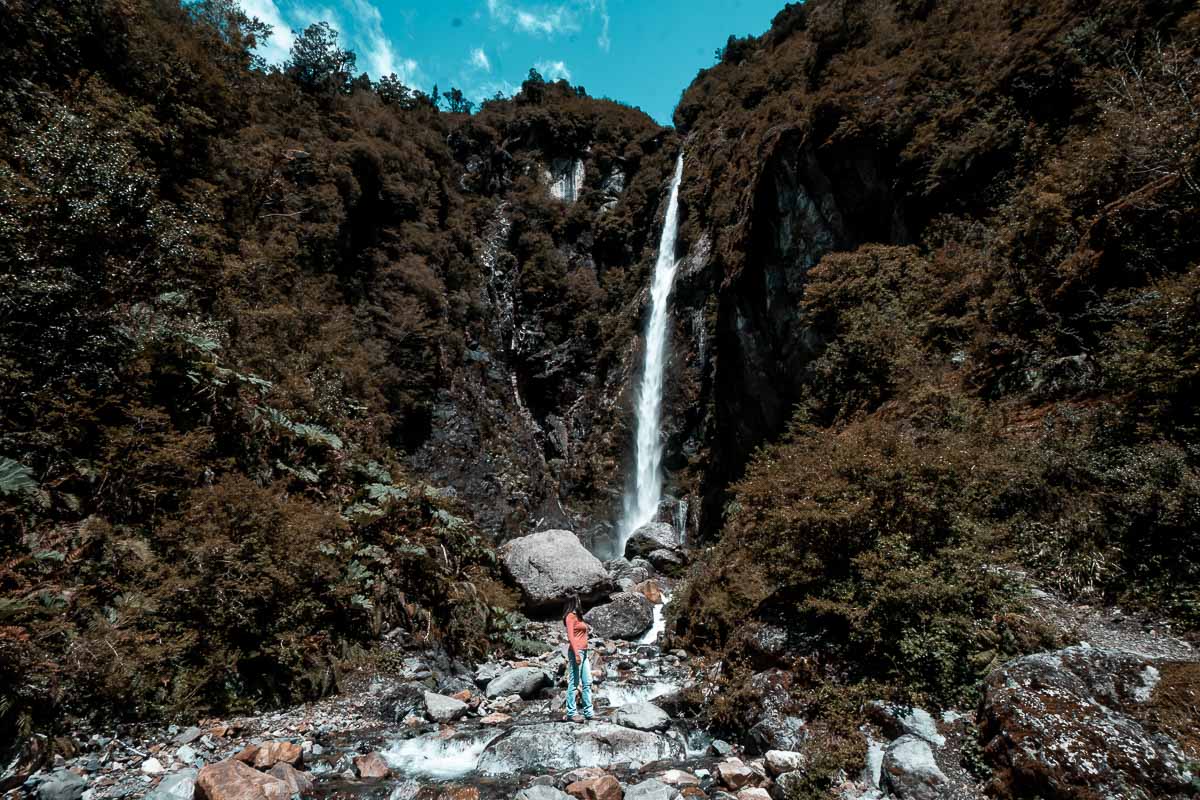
{"x":641,"y":53}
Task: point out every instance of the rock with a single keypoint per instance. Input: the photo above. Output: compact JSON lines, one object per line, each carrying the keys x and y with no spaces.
{"x":582,"y":774}
{"x":523,"y":681}
{"x":271,"y":753}
{"x":1067,"y":723}
{"x":643,"y":717}
{"x":790,"y":784}
{"x":234,"y":780}
{"x":440,"y":708}
{"x":486,"y":673}
{"x":720,"y":748}
{"x":185,"y":754}
{"x":405,"y":700}
{"x":299,"y":782}
{"x":766,"y":642}
{"x":677,"y":778}
{"x":496,"y":719}
{"x":910,"y":771}
{"x":627,"y":574}
{"x":372,"y":765}
{"x":734,"y":774}
{"x":872,"y":772}
{"x":627,"y":616}
{"x":550,"y":566}
{"x":781,"y":761}
{"x":152,"y":766}
{"x":604,"y":788}
{"x":753,"y":793}
{"x":189,"y":735}
{"x":62,"y":785}
{"x":650,"y":590}
{"x":652,"y":789}
{"x":651,"y":537}
{"x":565,"y":745}
{"x":668,"y":562}
{"x":541,"y":793}
{"x":459,"y":793}
{"x":176,"y":786}
{"x":899,"y":720}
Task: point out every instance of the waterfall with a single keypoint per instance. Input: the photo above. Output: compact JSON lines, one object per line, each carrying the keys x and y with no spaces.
{"x":642,"y":498}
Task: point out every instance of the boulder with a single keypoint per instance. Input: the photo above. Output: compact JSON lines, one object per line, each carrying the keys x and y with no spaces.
{"x":627,"y":574}
{"x":781,"y":761}
{"x":564,"y":745}
{"x":899,"y":720}
{"x":791,"y":784}
{"x":271,"y":753}
{"x":650,"y":537}
{"x":406,"y":700}
{"x":234,"y":780}
{"x":668,"y":562}
{"x":176,"y":786}
{"x":550,"y":566}
{"x":910,"y":771}
{"x":627,"y":616}
{"x":299,"y":782}
{"x":62,"y":785}
{"x":440,"y":708}
{"x":541,"y":793}
{"x":1067,"y":724}
{"x":372,"y":765}
{"x":486,"y":673}
{"x":650,"y":590}
{"x":643,"y":717}
{"x":720,"y":748}
{"x":524,"y":681}
{"x":603,"y":788}
{"x":652,"y":789}
{"x":734,"y":774}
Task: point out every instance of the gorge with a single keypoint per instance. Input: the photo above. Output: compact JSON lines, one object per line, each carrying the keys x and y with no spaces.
{"x":858,"y":405}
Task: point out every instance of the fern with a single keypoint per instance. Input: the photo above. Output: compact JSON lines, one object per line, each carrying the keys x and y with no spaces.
{"x":15,"y":478}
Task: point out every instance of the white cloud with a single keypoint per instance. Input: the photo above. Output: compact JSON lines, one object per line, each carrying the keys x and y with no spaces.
{"x":553,"y":70}
{"x":377,"y":55}
{"x":275,"y":48}
{"x":602,"y":40}
{"x":479,"y":60}
{"x":489,"y":89}
{"x":544,"y":20}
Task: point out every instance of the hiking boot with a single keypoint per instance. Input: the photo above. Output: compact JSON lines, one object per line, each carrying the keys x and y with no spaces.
{"x":577,"y":718}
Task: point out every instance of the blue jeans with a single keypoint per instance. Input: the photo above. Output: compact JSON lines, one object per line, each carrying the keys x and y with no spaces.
{"x":579,"y":674}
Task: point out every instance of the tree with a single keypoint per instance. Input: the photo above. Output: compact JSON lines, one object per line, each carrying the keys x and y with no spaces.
{"x":317,"y":63}
{"x":457,"y":102}
{"x":234,"y":26}
{"x":393,"y":92}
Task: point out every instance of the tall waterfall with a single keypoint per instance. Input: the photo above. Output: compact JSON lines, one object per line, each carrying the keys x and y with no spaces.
{"x":642,"y":498}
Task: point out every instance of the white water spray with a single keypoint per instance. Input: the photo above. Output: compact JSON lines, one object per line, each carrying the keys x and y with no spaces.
{"x":641,"y":500}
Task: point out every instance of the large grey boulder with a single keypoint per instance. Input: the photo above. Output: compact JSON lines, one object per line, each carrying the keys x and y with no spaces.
{"x":910,"y":771}
{"x":565,"y":745}
{"x":1068,"y":724}
{"x":643,"y":717}
{"x":176,"y":786}
{"x":62,"y":785}
{"x":652,"y":789}
{"x":525,"y":681}
{"x":627,"y":616}
{"x":440,"y":708}
{"x":899,"y":720}
{"x":650,"y":537}
{"x":628,"y":574}
{"x":550,"y":566}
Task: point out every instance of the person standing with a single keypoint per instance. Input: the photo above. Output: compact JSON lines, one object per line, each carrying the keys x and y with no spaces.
{"x":579,"y":672}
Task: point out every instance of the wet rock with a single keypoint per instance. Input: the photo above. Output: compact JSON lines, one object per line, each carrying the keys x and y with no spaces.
{"x":781,"y":761}
{"x":234,"y":780}
{"x":627,"y":616}
{"x":652,"y":789}
{"x":403,"y":701}
{"x":541,"y":793}
{"x":62,"y":785}
{"x":650,"y":590}
{"x":650,"y":537}
{"x":643,"y":717}
{"x":523,"y":681}
{"x":444,"y":709}
{"x":550,"y":566}
{"x":910,"y":771}
{"x":753,"y":793}
{"x":627,"y":574}
{"x":272,"y":753}
{"x":582,"y":774}
{"x":176,"y":786}
{"x":734,"y":774}
{"x":564,"y":745}
{"x":720,"y":748}
{"x":372,"y":765}
{"x":1066,"y":724}
{"x":668,"y":562}
{"x":678,"y":778}
{"x":899,"y":720}
{"x":603,"y":788}
{"x":299,"y":782}
{"x":495,"y":719}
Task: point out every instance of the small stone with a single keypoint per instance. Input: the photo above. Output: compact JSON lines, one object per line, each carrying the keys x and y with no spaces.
{"x":603,"y":788}
{"x":372,"y":765}
{"x":152,"y":766}
{"x":495,"y":719}
{"x":176,"y":786}
{"x":272,"y":753}
{"x":720,"y":748}
{"x":582,"y":774}
{"x":185,"y":754}
{"x":541,"y":792}
{"x":734,"y":774}
{"x":296,"y":780}
{"x":781,"y":761}
{"x":462,"y":696}
{"x":652,"y":789}
{"x":440,"y":708}
{"x":677,"y":777}
{"x":753,"y":793}
{"x":189,"y":735}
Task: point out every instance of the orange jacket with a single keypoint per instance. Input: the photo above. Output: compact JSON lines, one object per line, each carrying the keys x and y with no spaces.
{"x":576,"y":633}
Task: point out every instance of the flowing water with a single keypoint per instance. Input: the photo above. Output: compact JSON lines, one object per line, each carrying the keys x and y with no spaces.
{"x":642,"y":498}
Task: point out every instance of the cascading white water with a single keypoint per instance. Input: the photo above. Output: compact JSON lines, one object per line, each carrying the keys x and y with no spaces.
{"x":642,"y":498}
